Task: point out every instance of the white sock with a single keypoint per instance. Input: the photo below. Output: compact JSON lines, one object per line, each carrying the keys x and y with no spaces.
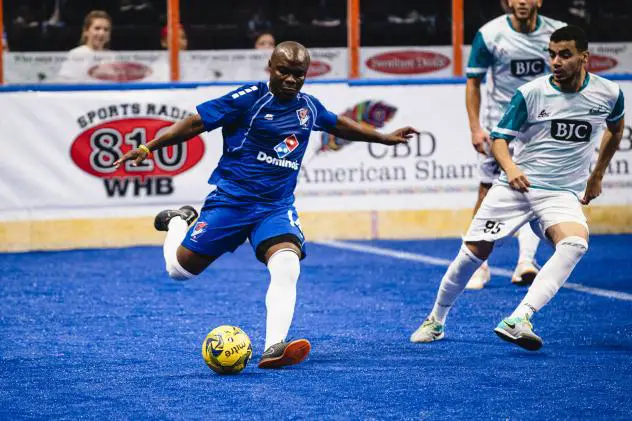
{"x":176,"y":232}
{"x":453,"y":283}
{"x":528,"y":244}
{"x":568,"y":252}
{"x":284,"y":267}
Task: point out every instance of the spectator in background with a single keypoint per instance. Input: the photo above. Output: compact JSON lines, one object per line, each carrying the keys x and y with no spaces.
{"x":164,"y":38}
{"x":95,"y":37}
{"x":264,"y":41}
{"x":5,"y":42}
{"x":161,"y":69}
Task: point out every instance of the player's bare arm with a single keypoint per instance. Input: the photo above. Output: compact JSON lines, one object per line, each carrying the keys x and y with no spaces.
{"x":179,"y":132}
{"x":517,"y":180}
{"x":480,"y":137}
{"x":348,"y":129}
{"x":609,"y":145}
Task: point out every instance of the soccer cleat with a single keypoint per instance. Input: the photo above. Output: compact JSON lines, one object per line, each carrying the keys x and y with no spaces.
{"x":479,"y":278}
{"x":285,"y":353}
{"x":525,"y":273}
{"x":519,"y":330}
{"x":429,"y":331}
{"x":187,"y":213}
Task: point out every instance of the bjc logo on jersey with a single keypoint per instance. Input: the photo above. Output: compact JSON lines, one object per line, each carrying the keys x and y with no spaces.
{"x":520,"y":68}
{"x":286,"y":147}
{"x":571,"y":130}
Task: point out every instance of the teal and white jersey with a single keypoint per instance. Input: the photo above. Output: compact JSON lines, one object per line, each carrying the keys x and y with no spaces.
{"x":557,"y":133}
{"x":512,"y":58}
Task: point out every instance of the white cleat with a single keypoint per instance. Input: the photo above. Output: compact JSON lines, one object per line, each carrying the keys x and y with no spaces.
{"x":480,"y":278}
{"x":429,"y":331}
{"x":525,"y":273}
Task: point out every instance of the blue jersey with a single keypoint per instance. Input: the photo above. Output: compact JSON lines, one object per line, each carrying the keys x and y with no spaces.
{"x":265,"y":140}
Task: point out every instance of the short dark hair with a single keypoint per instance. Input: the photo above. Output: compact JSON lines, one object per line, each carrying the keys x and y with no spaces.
{"x":571,"y":33}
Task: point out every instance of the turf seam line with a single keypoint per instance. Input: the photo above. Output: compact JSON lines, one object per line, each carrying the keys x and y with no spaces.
{"x":422,"y":258}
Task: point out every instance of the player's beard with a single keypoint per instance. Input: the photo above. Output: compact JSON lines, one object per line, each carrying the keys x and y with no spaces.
{"x":525,"y":21}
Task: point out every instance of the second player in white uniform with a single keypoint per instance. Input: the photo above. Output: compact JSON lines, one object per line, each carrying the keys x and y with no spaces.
{"x":511,"y":50}
{"x":555,"y":122}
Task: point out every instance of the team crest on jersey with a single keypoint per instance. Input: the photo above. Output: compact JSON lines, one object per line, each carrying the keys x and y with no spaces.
{"x":286,"y":147}
{"x":199,"y":228}
{"x":303,"y":117}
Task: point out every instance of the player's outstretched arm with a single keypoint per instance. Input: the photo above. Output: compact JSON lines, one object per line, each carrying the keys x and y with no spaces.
{"x":609,"y":145}
{"x":517,"y":180}
{"x":346,"y":128}
{"x":179,"y":132}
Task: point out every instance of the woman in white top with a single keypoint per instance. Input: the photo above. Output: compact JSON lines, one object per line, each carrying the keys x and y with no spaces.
{"x":95,"y":37}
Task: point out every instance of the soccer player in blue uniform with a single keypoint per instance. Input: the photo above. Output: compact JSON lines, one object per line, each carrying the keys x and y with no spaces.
{"x":266,"y":129}
{"x":557,"y":122}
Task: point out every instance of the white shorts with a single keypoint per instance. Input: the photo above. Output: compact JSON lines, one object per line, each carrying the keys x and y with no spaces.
{"x":504,"y":210}
{"x":488,"y":168}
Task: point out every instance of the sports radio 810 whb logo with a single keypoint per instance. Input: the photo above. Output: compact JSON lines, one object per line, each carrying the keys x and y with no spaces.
{"x":111,"y":131}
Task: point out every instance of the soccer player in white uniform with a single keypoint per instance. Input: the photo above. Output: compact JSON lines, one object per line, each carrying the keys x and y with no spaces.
{"x":511,"y":50}
{"x":555,"y":122}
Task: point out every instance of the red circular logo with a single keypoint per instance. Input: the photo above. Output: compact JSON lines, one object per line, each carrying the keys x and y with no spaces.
{"x":96,"y":149}
{"x":408,"y":62}
{"x":119,"y":71}
{"x":598,"y":64}
{"x":318,"y":68}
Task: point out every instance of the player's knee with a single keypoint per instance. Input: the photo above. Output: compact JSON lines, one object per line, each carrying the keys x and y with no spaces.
{"x":285,"y":266}
{"x":573,"y":246}
{"x":479,"y":249}
{"x":177,"y":272}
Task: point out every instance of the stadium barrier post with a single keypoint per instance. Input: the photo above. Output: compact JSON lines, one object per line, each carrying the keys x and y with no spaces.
{"x":173,"y":22}
{"x":457,"y":38}
{"x":353,"y":37}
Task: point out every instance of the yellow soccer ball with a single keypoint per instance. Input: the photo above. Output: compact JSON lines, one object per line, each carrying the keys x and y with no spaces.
{"x":227,"y":349}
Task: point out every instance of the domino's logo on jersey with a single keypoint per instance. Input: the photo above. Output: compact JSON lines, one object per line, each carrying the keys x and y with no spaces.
{"x":286,"y":147}
{"x":571,"y":130}
{"x":303,"y":117}
{"x":531,"y":67}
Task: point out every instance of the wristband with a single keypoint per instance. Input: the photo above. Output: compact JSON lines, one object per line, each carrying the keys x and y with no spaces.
{"x":145,"y":149}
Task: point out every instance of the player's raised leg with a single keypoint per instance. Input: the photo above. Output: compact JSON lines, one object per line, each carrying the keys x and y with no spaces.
{"x":180,"y":263}
{"x":571,"y":243}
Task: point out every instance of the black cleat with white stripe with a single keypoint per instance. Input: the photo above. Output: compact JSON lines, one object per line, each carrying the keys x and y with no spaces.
{"x":187,"y":213}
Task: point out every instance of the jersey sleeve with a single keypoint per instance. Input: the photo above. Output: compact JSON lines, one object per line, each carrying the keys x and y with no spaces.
{"x":480,"y":58}
{"x":513,"y":120}
{"x":324,"y":118}
{"x":618,"y":110}
{"x":227,"y":109}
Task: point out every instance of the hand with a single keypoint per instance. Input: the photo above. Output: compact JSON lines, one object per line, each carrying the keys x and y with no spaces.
{"x":137,"y":155}
{"x":402,"y":135}
{"x":481,"y":141}
{"x":517,"y":180}
{"x":593,"y":190}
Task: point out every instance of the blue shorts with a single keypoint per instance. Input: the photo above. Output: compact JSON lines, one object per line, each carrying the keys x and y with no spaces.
{"x":224,"y":225}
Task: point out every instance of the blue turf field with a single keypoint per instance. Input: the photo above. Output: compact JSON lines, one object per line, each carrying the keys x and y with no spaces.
{"x":105,"y":334}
